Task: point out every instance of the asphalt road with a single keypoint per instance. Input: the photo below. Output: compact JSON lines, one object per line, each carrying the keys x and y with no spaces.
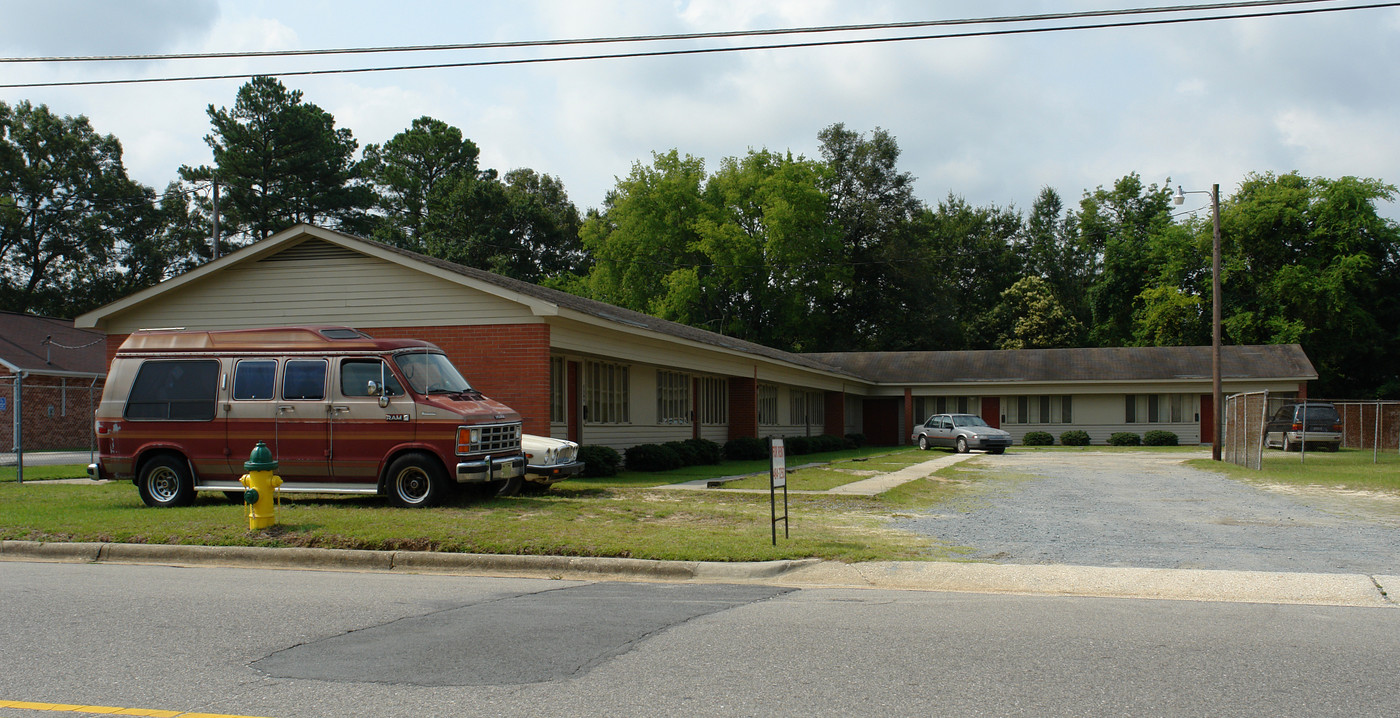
{"x":1151,"y":511}
{"x":292,"y":644}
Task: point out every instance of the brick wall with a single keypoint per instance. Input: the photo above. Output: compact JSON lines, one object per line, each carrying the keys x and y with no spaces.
{"x":507,"y":362}
{"x":57,"y":413}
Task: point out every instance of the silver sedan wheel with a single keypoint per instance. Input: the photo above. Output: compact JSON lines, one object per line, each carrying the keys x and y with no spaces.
{"x":962,"y":445}
{"x":923,"y":443}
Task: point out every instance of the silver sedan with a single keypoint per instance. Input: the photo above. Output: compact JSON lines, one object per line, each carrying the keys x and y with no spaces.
{"x":961,"y":432}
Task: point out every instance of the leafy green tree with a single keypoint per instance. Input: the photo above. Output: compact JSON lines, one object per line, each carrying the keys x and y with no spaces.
{"x":1036,"y":318}
{"x":646,"y":232}
{"x":1116,"y":227}
{"x":1311,"y":261}
{"x":65,"y":202}
{"x":407,"y":170}
{"x":873,"y":204}
{"x":281,"y":161}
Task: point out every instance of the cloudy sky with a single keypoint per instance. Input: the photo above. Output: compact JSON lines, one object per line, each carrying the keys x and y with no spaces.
{"x":991,"y":119}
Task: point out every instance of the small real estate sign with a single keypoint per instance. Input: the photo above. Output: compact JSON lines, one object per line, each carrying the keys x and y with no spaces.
{"x":778,"y":479}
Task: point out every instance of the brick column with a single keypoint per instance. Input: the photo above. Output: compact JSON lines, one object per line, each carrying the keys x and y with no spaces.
{"x":743,"y":407}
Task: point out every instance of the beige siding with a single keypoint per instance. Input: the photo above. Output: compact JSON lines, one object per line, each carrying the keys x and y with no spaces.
{"x":321,"y":284}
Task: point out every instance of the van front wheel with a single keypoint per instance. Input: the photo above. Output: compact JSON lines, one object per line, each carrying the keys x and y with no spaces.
{"x":165,"y":481}
{"x":415,"y":481}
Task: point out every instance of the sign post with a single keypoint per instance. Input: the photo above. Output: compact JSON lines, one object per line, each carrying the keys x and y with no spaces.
{"x":777,"y":477}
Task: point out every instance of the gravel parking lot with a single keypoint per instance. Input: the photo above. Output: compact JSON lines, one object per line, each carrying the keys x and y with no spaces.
{"x":1151,"y":511}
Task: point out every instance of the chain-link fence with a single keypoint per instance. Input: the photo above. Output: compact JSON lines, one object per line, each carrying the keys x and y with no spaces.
{"x":1245,"y":416}
{"x":1366,"y":425}
{"x":46,"y":414}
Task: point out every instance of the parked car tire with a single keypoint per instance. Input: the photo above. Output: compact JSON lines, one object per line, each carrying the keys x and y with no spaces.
{"x":165,"y":481}
{"x":923,"y":443}
{"x":962,"y":445}
{"x":416,"y":481}
{"x":1289,"y":445}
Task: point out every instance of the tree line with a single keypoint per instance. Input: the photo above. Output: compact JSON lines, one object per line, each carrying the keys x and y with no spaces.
{"x":831,"y":253}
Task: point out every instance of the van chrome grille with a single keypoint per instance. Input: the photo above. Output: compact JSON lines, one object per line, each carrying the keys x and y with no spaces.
{"x":498,"y":437}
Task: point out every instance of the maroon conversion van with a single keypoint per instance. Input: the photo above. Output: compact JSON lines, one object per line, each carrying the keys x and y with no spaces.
{"x":341,"y":411}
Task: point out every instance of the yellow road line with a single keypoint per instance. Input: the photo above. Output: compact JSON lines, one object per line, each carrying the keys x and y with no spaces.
{"x":110,"y":710}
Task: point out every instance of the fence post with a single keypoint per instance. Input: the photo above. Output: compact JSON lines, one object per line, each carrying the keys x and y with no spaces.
{"x":19,"y":427}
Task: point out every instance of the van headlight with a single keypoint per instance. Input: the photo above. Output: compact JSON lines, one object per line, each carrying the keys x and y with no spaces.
{"x":467,"y":437}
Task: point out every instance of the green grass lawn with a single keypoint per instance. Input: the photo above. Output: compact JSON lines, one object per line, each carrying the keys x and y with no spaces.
{"x":42,"y":473}
{"x":1348,"y":468}
{"x":622,"y":517}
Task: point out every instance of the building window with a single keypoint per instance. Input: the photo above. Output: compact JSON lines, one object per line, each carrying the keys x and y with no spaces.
{"x":816,"y":408}
{"x":767,"y":404}
{"x":1157,"y":408}
{"x":714,"y":401}
{"x":797,"y":407}
{"x":672,"y":397}
{"x":558,"y":388}
{"x":606,"y":391}
{"x":1041,"y":410}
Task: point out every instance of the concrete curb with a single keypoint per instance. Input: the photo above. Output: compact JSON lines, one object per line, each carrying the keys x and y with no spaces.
{"x":403,"y":561}
{"x":1086,"y":581}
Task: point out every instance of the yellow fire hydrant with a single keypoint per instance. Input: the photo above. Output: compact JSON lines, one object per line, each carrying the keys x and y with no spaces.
{"x":261,"y":487}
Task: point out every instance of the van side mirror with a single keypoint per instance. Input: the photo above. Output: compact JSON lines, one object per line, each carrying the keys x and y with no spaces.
{"x":372,"y":388}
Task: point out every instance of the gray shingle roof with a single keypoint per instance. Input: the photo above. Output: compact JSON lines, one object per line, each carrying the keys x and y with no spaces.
{"x":22,"y":345}
{"x":612,"y":313}
{"x":1279,"y":361}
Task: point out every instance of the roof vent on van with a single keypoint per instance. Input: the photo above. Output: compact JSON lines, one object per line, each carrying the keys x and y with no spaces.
{"x":343,"y":334}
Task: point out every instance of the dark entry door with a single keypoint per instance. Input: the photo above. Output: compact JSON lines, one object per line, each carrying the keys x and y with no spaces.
{"x":991,"y":411}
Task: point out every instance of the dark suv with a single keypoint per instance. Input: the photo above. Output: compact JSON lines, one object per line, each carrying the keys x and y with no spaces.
{"x":1288,"y":428}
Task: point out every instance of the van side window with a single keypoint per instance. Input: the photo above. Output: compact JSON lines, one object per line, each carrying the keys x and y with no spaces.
{"x":356,"y":374}
{"x":304,"y":379}
{"x":254,"y":379}
{"x":174,"y":390}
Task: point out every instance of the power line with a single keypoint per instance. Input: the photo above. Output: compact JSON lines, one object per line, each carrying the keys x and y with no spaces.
{"x":670,"y":37}
{"x":715,"y":50}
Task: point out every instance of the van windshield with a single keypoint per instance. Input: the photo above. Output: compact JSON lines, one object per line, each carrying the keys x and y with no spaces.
{"x":431,"y":374}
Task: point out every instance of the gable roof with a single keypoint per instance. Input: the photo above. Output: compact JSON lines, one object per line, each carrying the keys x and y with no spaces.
{"x":542,"y":301}
{"x":1274,"y":361}
{"x":43,"y":345}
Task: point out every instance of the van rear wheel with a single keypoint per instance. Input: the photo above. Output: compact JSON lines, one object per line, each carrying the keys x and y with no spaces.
{"x":416,"y":481}
{"x":165,"y":482}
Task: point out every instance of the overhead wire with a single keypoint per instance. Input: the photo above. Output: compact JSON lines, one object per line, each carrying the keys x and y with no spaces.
{"x":1041,"y":17}
{"x":742,"y":48}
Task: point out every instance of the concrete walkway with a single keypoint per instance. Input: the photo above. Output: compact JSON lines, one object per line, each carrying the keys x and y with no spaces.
{"x":872,"y":486}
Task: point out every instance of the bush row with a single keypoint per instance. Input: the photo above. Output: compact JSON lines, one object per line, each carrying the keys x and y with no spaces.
{"x":1120,"y":438}
{"x":672,"y":455}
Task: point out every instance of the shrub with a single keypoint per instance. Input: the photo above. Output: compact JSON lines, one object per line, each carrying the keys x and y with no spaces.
{"x":745,"y":448}
{"x":857,"y":440}
{"x":797,"y":445}
{"x":599,"y":460}
{"x":1075,"y":438}
{"x":1124,"y":438}
{"x":688,"y":456}
{"x":827,"y":442}
{"x":652,"y":457}
{"x":1158,"y":438}
{"x":1038,"y":438}
{"x":706,"y":451}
